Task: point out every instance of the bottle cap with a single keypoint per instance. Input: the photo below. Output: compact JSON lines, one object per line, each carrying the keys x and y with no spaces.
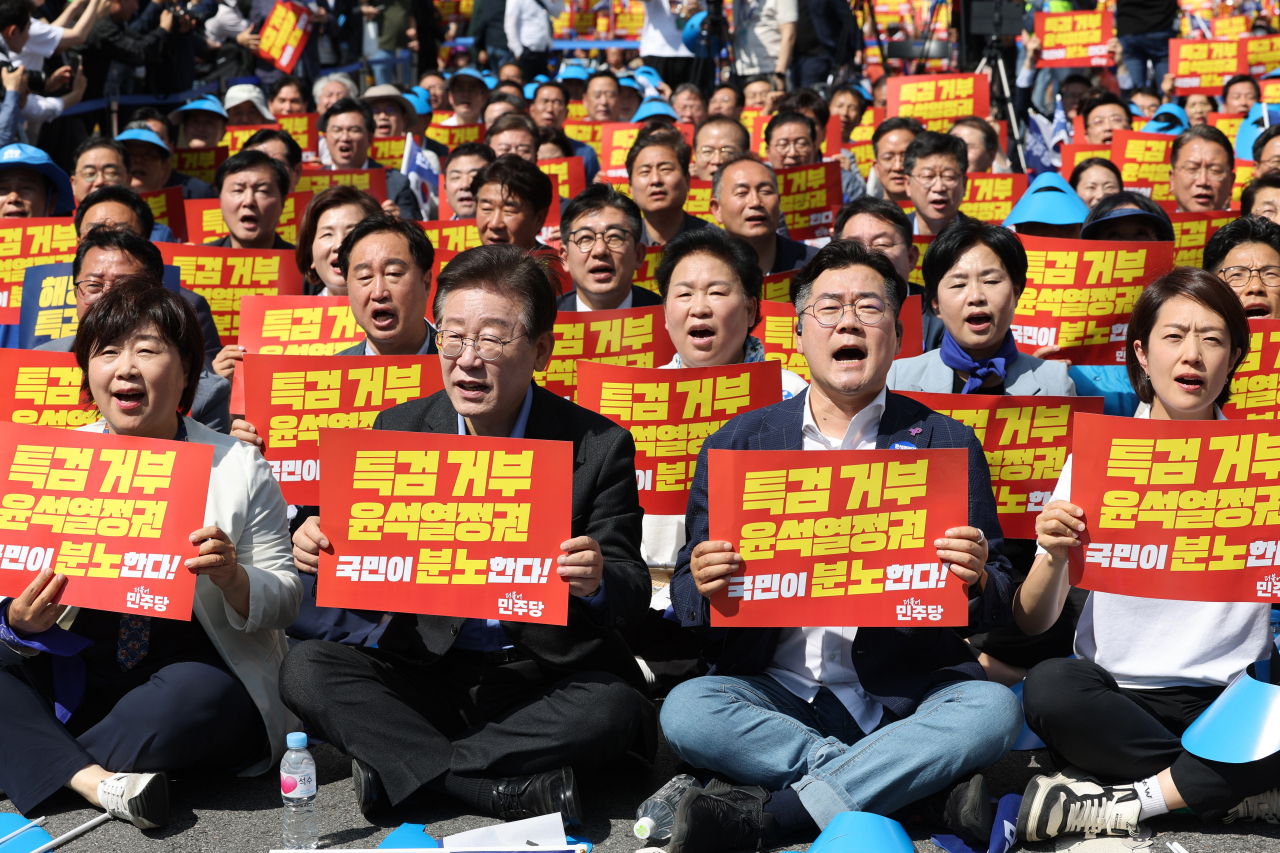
{"x":296,"y":740}
{"x":644,"y":827}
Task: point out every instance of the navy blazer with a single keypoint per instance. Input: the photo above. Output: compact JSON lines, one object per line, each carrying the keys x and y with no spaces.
{"x":896,"y":666}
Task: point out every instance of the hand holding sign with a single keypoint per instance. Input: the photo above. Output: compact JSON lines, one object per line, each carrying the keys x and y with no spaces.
{"x":711,"y":565}
{"x":39,"y":606}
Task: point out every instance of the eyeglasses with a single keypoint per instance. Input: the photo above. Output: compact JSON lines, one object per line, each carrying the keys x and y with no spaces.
{"x":1114,"y":121}
{"x":829,"y":312}
{"x":585,"y":240}
{"x":353,"y":132}
{"x":1272,"y":164}
{"x":489,"y":348}
{"x":949,"y":180}
{"x":706,"y":152}
{"x":108,"y":173}
{"x":1266,"y":212}
{"x":799,"y":146}
{"x":1216,"y":172}
{"x":1238,"y":277}
{"x":90,"y":289}
{"x":889,"y":158}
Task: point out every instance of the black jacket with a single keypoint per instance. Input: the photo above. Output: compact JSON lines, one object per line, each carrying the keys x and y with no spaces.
{"x":640,"y":298}
{"x":192,"y":187}
{"x":225,"y":242}
{"x":109,"y":42}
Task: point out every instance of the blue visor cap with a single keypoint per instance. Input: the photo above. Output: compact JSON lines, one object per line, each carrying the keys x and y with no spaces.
{"x":572,"y":72}
{"x":1251,"y":128}
{"x":421,"y":103}
{"x":654,"y":107}
{"x":1050,"y":200}
{"x":1092,"y":231}
{"x":143,"y":135}
{"x":20,"y":156}
{"x":631,"y":83}
{"x":206,"y":104}
{"x":1239,"y":726}
{"x":1170,"y":120}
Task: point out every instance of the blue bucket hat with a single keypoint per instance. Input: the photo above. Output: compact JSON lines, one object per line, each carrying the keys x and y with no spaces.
{"x":572,"y":72}
{"x":205,"y":103}
{"x":654,"y":107}
{"x":1050,"y":200}
{"x":1170,"y":120}
{"x":1251,"y":128}
{"x":143,"y":135}
{"x":421,"y":103}
{"x":20,"y":156}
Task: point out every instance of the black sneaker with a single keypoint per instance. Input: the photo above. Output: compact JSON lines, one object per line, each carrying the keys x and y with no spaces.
{"x":719,"y":817}
{"x":369,"y":794}
{"x":544,"y":793}
{"x":968,"y":810}
{"x":1071,"y":803}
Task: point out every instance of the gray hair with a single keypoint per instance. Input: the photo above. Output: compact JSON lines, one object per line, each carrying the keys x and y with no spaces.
{"x":733,"y":161}
{"x":338,"y":77}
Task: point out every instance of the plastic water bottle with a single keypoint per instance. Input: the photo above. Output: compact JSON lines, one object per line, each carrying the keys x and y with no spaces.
{"x":657,"y":815}
{"x":298,"y":791}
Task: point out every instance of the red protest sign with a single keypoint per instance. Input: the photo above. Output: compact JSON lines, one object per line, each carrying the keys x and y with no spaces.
{"x":1253,"y":387}
{"x":446,"y":524}
{"x":1075,"y":153}
{"x":205,"y":223}
{"x":645,"y":273}
{"x":844,"y":538}
{"x":167,"y":209}
{"x":937,"y":100}
{"x":698,"y":202}
{"x":1194,"y":504}
{"x":302,"y":127}
{"x":290,"y":398}
{"x":670,"y":412}
{"x":1200,"y":67}
{"x":456,"y":235}
{"x":224,"y":276}
{"x":1192,"y":232}
{"x":991,"y":197}
{"x":1229,"y":124}
{"x":1026,"y":440}
{"x":200,"y":163}
{"x":451,"y":136}
{"x":1262,"y":55}
{"x":30,"y":243}
{"x":634,"y":337}
{"x":569,"y":171}
{"x":1230,"y":27}
{"x":42,"y":389}
{"x":921,"y":243}
{"x":284,"y":34}
{"x":616,"y":139}
{"x":238,"y":134}
{"x":105,"y":510}
{"x":388,"y":151}
{"x":590,"y":132}
{"x":372,"y":181}
{"x":809,"y":193}
{"x":1080,"y":293}
{"x":860,"y":140}
{"x":1074,"y":39}
{"x":1142,"y":158}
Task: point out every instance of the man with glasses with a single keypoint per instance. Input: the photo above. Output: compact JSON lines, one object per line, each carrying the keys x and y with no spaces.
{"x":550,"y":108}
{"x":658,"y":168}
{"x":888,"y":173}
{"x":514,"y":133}
{"x":391,"y":111}
{"x":791,"y":139}
{"x":108,"y":254}
{"x":746,"y":203}
{"x":1262,"y":198}
{"x":718,"y":139}
{"x":837,"y":718}
{"x":99,"y":162}
{"x":601,"y":247}
{"x":348,"y":129}
{"x":31,"y":185}
{"x":1202,"y":169}
{"x":498,"y":715}
{"x":935,"y":164}
{"x":1245,"y":253}
{"x":1266,"y":152}
{"x":1103,"y":114}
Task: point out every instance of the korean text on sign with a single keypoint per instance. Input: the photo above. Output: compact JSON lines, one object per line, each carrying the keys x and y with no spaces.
{"x":284,"y":34}
{"x":1026,"y":440}
{"x":372,"y":181}
{"x":113,"y":513}
{"x":1073,"y":39}
{"x":838,"y":537}
{"x":225,"y":276}
{"x":28,"y":243}
{"x":809,"y":194}
{"x":43,"y":389}
{"x":1080,"y":293}
{"x":1256,"y":381}
{"x":1183,"y":510}
{"x":991,"y":197}
{"x":446,"y":524}
{"x":670,"y":413}
{"x":290,"y":398}
{"x":1192,"y":230}
{"x":1200,"y":67}
{"x":937,"y":100}
{"x":634,"y":337}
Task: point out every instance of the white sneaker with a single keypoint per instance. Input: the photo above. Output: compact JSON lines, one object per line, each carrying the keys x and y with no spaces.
{"x":1261,"y":807}
{"x":1071,"y":803}
{"x":140,"y":798}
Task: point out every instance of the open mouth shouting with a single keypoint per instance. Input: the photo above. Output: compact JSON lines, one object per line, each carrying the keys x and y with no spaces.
{"x":472,"y":390}
{"x":385,"y":317}
{"x":1260,"y":310}
{"x":128,"y":399}
{"x":979,"y":322}
{"x":849,"y":353}
{"x":702,"y":336}
{"x":601,"y":272}
{"x":1192,"y":383}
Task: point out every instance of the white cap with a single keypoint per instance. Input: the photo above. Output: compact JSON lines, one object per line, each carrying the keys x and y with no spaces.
{"x":643,"y":828}
{"x":247,"y":93}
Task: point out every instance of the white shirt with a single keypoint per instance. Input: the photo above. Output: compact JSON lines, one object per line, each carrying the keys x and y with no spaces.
{"x":528,"y":24}
{"x":1146,"y":643}
{"x":808,"y":659}
{"x":42,"y":41}
{"x":661,"y":36}
{"x":758,"y":39}
{"x":582,"y":306}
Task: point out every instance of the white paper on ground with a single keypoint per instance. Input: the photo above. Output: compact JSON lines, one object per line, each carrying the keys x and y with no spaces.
{"x":544,"y":831}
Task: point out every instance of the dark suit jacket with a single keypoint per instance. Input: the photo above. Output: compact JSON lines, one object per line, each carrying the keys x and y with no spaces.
{"x":640,"y":298}
{"x":277,"y":243}
{"x":606,"y":507}
{"x":895,"y":665}
{"x":192,"y":187}
{"x":398,"y":191}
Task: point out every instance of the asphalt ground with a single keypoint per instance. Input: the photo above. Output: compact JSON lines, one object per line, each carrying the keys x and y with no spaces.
{"x":223,"y":814}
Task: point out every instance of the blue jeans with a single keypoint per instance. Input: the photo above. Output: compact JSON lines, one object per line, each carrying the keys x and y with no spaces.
{"x":1140,"y":49}
{"x":397,"y":73}
{"x":754,"y":730}
{"x":809,"y":70}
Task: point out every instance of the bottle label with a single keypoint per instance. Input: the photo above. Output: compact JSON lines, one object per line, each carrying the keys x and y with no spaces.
{"x":299,"y":786}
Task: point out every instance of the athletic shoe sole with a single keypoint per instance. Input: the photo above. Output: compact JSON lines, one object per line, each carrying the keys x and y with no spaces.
{"x":1033,"y":801}
{"x":149,"y":807}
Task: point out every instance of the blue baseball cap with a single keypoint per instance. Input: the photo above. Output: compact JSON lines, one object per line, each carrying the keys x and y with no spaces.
{"x":205,"y":103}
{"x":20,"y":156}
{"x":143,"y":135}
{"x":1170,"y":120}
{"x":466,"y":72}
{"x":572,"y":72}
{"x":630,"y":83}
{"x":654,"y":107}
{"x":1050,"y":200}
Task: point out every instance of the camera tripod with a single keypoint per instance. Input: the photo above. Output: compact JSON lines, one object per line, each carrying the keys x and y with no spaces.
{"x":713,"y":36}
{"x":989,"y":20}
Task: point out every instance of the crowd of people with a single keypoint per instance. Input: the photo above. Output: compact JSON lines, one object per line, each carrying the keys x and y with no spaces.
{"x":786,"y":727}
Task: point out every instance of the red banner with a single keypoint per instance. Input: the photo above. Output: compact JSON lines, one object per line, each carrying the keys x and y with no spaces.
{"x":991,"y":197}
{"x":205,"y":223}
{"x":446,"y":524}
{"x":1194,"y":504}
{"x":1075,"y":153}
{"x":42,"y":389}
{"x":1192,"y":232}
{"x":167,"y":209}
{"x":284,"y":34}
{"x":1143,"y":161}
{"x":388,"y":151}
{"x":238,"y":134}
{"x":1080,"y":293}
{"x":633,"y":337}
{"x":454,"y":135}
{"x":1074,"y":39}
{"x":810,"y":195}
{"x":590,"y":132}
{"x":569,"y":170}
{"x":1229,"y":124}
{"x":670,"y":412}
{"x":937,"y":100}
{"x":105,"y":510}
{"x":372,"y":181}
{"x":200,"y":163}
{"x":1262,"y":55}
{"x":455,"y":235}
{"x":30,"y":243}
{"x":225,"y":276}
{"x":302,"y":127}
{"x":860,"y":140}
{"x":1200,"y":67}
{"x":616,"y":139}
{"x":844,"y":538}
{"x":1253,"y":388}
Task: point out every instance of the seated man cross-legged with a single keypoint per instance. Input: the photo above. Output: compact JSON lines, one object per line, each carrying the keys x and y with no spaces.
{"x":822,"y":720}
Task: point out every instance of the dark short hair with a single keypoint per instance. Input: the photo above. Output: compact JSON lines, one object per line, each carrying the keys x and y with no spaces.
{"x":1241,"y":78}
{"x":1125,"y":198}
{"x":552,"y":84}
{"x":420,"y":248}
{"x":799,"y":100}
{"x":888,"y":126}
{"x":1208,"y":134}
{"x":990,"y":139}
{"x":165,"y":153}
{"x":947,"y":248}
{"x":1239,"y":232}
{"x":16,"y":13}
{"x":470,"y":149}
{"x":745,"y":157}
{"x":1100,"y":98}
{"x":283,"y":83}
{"x":518,"y":177}
{"x":122,"y":195}
{"x":348,"y":105}
{"x":1199,"y":286}
{"x":603,"y":74}
{"x":727,"y":121}
{"x":1078,"y":79}
{"x":511,"y":85}
{"x":123,"y":240}
{"x":668,"y":137}
{"x":509,"y":98}
{"x":338,"y":195}
{"x":512,"y":271}
{"x":932,"y":144}
{"x":1270,"y":181}
{"x":737,"y":93}
{"x":597,"y":197}
{"x":96,"y":141}
{"x":790,"y":117}
{"x":1266,"y":136}
{"x":513,"y":121}
{"x":735,"y":252}
{"x":554,"y":136}
{"x":146,"y":114}
{"x":252,"y":159}
{"x":691,"y":88}
{"x":1088,"y":163}
{"x":842,"y":254}
{"x":879,"y":208}
{"x":292,"y":150}
{"x":135,"y":301}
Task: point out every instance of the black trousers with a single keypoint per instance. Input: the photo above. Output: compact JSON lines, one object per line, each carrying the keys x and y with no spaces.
{"x":1120,"y":735}
{"x":674,"y":70}
{"x":413,"y":722}
{"x":532,"y":63}
{"x":183,"y":715}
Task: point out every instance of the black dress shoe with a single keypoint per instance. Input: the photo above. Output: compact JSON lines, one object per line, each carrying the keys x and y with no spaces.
{"x":719,"y":817}
{"x":544,"y":793}
{"x":369,"y":794}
